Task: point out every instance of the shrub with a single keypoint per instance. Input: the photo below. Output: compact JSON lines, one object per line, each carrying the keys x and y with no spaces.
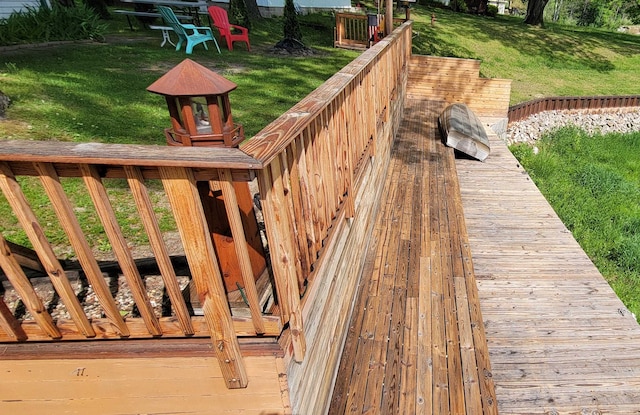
{"x":291,"y":24}
{"x":46,"y":24}
{"x":492,"y":11}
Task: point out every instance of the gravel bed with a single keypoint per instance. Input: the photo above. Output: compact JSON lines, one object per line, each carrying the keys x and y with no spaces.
{"x":618,"y":120}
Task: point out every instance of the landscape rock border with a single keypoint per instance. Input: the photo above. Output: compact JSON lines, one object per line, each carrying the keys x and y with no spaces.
{"x":611,"y":120}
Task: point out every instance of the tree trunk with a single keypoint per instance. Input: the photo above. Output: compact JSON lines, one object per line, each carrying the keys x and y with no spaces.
{"x":535,"y":12}
{"x":100,"y":7}
{"x":556,"y":10}
{"x":388,"y":18}
{"x":252,"y":9}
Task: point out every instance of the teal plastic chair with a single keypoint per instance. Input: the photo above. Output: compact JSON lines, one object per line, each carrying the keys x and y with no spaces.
{"x":191,"y":34}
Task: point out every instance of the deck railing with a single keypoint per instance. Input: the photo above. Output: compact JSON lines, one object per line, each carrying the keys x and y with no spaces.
{"x":353,"y":31}
{"x":594,"y":103}
{"x":307,"y":165}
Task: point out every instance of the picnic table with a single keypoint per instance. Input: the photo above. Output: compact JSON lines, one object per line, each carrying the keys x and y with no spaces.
{"x":184,"y":9}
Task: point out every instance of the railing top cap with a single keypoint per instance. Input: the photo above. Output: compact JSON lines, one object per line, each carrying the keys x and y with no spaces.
{"x":126,"y":154}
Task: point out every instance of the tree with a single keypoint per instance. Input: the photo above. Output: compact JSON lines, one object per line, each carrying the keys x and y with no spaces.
{"x":291,"y":24}
{"x":238,"y":13}
{"x":252,"y":9}
{"x":535,"y":12}
{"x":100,"y":7}
{"x":292,"y":42}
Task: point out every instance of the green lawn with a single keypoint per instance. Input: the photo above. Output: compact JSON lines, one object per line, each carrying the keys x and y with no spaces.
{"x":556,"y":60}
{"x":97,"y":91}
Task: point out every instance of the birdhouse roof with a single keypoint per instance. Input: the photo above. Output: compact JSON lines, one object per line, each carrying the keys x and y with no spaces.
{"x":189,"y":78}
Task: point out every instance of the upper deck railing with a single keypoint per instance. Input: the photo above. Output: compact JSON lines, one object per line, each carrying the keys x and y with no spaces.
{"x":307,"y":165}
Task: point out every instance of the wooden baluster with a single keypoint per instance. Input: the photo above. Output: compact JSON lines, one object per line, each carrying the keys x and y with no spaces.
{"x":25,"y":290}
{"x":297,"y":224}
{"x":35,"y":233}
{"x":145,"y":209}
{"x":349,"y":150}
{"x":127,"y":264}
{"x":298,"y":180}
{"x":278,"y":229}
{"x":69,"y":222}
{"x":182,"y":192}
{"x":241,"y":247}
{"x":10,"y":324}
{"x":314,"y":196}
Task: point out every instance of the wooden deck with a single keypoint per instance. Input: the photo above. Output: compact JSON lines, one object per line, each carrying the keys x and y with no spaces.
{"x":416,"y":341}
{"x":560,"y":341}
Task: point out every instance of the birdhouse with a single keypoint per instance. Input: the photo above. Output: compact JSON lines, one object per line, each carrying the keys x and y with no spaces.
{"x":199,"y":107}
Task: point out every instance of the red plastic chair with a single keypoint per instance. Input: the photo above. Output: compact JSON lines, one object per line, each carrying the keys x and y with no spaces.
{"x":221,"y":22}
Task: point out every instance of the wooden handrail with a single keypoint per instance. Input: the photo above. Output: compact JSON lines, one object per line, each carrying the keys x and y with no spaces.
{"x":353,"y":32}
{"x":312,"y":156}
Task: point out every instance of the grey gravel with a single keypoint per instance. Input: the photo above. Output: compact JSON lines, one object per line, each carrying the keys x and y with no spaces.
{"x":618,"y":120}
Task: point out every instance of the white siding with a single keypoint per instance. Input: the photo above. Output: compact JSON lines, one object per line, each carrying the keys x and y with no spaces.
{"x":325,"y":4}
{"x":318,"y":4}
{"x":9,"y":6}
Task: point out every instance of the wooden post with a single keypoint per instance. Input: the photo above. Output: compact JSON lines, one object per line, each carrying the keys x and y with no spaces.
{"x":218,"y":223}
{"x":241,"y":246}
{"x":388,"y":19}
{"x":182,"y":192}
{"x":282,"y":253}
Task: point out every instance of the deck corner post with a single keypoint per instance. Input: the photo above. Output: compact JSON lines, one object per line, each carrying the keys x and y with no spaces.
{"x":282,"y":251}
{"x":181,"y":188}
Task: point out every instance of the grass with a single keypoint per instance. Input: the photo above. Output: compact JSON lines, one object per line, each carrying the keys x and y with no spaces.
{"x":97,"y":91}
{"x":593,"y":183}
{"x":554,"y":61}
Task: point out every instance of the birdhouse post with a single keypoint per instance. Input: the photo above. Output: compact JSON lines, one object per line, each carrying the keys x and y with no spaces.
{"x":200,"y":111}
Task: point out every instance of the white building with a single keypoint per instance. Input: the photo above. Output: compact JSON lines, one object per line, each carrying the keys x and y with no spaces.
{"x":9,"y":6}
{"x":275,"y":7}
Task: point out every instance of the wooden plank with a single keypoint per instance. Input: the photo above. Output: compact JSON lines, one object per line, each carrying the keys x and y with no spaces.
{"x":125,"y":154}
{"x":297,"y":238}
{"x":71,"y":226}
{"x":181,"y":189}
{"x":423,"y":217}
{"x":171,"y":328}
{"x":36,"y":235}
{"x":23,"y":287}
{"x":129,"y":386}
{"x":242,"y":251}
{"x":472,"y":396}
{"x":552,"y":321}
{"x":145,"y":210}
{"x":299,"y":199}
{"x":438,"y":319}
{"x":282,"y":251}
{"x":105,"y":211}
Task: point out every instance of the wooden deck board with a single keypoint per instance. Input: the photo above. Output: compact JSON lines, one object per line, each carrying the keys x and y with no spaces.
{"x":560,"y":340}
{"x":138,"y":386}
{"x":412,"y":345}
